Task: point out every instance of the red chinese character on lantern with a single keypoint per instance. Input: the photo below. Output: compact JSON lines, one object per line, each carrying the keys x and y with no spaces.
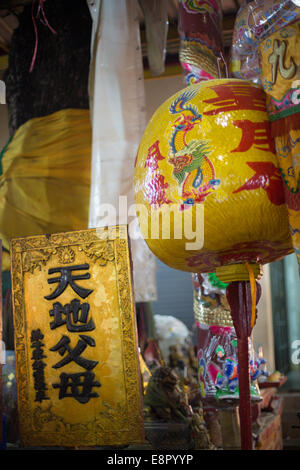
{"x":268,"y":177}
{"x":154,"y":156}
{"x":156,"y":190}
{"x":256,"y":134}
{"x":234,"y":96}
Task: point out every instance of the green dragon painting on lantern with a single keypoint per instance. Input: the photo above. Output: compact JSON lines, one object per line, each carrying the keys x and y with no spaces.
{"x":190,"y":157}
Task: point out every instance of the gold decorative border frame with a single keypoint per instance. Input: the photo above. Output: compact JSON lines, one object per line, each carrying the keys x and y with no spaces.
{"x":125,"y":425}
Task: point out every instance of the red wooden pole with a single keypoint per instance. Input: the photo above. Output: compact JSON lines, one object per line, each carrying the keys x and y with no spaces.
{"x":244,"y":392}
{"x":239,"y":298}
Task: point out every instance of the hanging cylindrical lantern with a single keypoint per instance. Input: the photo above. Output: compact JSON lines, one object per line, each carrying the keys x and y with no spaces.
{"x":210,"y":198}
{"x":207,"y":157}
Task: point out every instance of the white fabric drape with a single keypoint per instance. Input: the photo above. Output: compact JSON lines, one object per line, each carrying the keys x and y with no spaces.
{"x":117,"y":103}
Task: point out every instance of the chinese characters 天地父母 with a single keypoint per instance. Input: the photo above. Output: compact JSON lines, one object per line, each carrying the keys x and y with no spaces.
{"x":74,"y":315}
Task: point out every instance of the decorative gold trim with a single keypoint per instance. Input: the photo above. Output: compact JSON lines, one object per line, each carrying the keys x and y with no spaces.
{"x":212,"y":316}
{"x":101,"y":251}
{"x":65,"y":255}
{"x":111,"y":426}
{"x":199,"y":56}
{"x":238,"y":272}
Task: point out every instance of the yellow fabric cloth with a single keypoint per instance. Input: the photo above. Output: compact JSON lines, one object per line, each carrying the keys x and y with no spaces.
{"x":45,"y":184}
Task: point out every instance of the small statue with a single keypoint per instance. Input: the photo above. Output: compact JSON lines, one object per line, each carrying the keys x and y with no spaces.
{"x":192,"y":356}
{"x":175,"y":356}
{"x":229,"y":377}
{"x":168,"y":402}
{"x":165,"y":398}
{"x":257,"y":368}
{"x":199,"y":431}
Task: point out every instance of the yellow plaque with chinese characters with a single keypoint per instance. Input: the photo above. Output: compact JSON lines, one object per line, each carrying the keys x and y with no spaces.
{"x":78,"y":374}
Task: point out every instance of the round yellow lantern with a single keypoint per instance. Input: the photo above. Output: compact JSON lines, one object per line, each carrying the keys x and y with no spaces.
{"x":208,"y":188}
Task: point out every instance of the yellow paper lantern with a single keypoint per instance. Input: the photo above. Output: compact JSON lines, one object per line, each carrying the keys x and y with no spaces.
{"x":206,"y":164}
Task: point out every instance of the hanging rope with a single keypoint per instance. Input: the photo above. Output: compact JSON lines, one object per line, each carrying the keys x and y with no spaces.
{"x":44,"y":21}
{"x":253,"y":294}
